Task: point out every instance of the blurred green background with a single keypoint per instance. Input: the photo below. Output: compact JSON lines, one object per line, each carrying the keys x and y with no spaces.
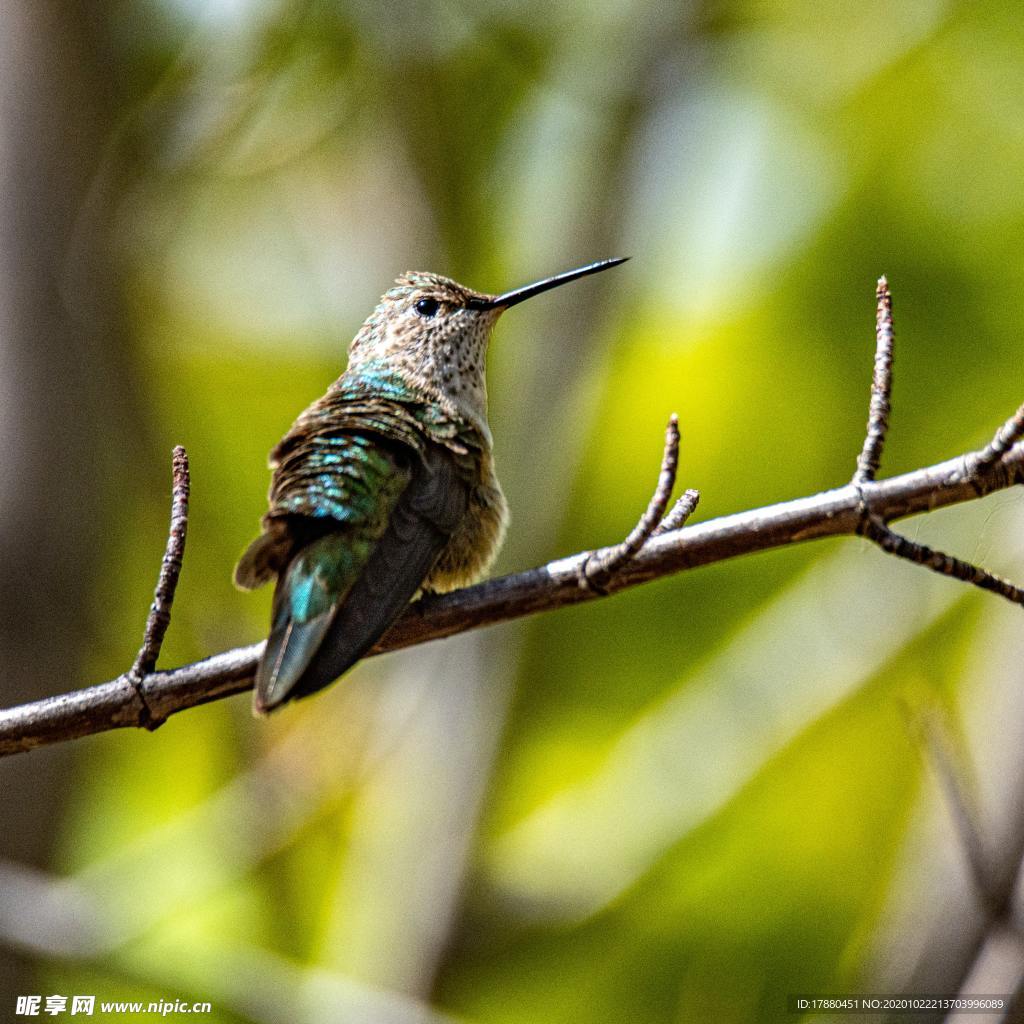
{"x":682,"y":804}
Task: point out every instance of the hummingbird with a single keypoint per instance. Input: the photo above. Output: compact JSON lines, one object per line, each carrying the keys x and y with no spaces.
{"x":385,"y":487}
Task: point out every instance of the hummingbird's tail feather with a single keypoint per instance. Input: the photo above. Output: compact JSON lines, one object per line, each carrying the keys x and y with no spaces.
{"x":305,"y":602}
{"x":289,"y":649}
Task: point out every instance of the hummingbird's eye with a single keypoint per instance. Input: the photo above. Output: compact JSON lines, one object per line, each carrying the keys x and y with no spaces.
{"x":427,"y":307}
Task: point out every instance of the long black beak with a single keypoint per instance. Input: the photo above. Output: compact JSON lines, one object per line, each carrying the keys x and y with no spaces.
{"x":528,"y":292}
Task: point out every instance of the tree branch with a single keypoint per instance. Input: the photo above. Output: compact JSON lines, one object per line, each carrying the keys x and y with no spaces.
{"x":862,"y":507}
{"x":835,"y":513}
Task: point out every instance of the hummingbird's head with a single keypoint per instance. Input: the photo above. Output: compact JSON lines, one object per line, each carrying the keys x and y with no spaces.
{"x":435,"y":331}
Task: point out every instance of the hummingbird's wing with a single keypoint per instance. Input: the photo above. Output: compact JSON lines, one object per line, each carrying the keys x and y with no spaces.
{"x":343,"y":589}
{"x":419,"y":526}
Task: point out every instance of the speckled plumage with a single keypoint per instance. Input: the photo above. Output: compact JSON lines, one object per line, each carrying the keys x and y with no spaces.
{"x":384,"y":486}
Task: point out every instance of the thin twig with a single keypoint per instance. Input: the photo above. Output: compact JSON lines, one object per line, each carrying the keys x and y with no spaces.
{"x":159,"y":617}
{"x":679,"y":513}
{"x":598,"y":569}
{"x":894,"y":543}
{"x":1006,"y":437}
{"x":870,"y":458}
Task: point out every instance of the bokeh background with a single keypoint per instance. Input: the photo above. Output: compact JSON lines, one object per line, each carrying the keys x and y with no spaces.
{"x":681,"y":804}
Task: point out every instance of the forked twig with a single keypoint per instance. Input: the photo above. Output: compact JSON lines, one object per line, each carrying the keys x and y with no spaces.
{"x":875,"y":527}
{"x":597,"y":570}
